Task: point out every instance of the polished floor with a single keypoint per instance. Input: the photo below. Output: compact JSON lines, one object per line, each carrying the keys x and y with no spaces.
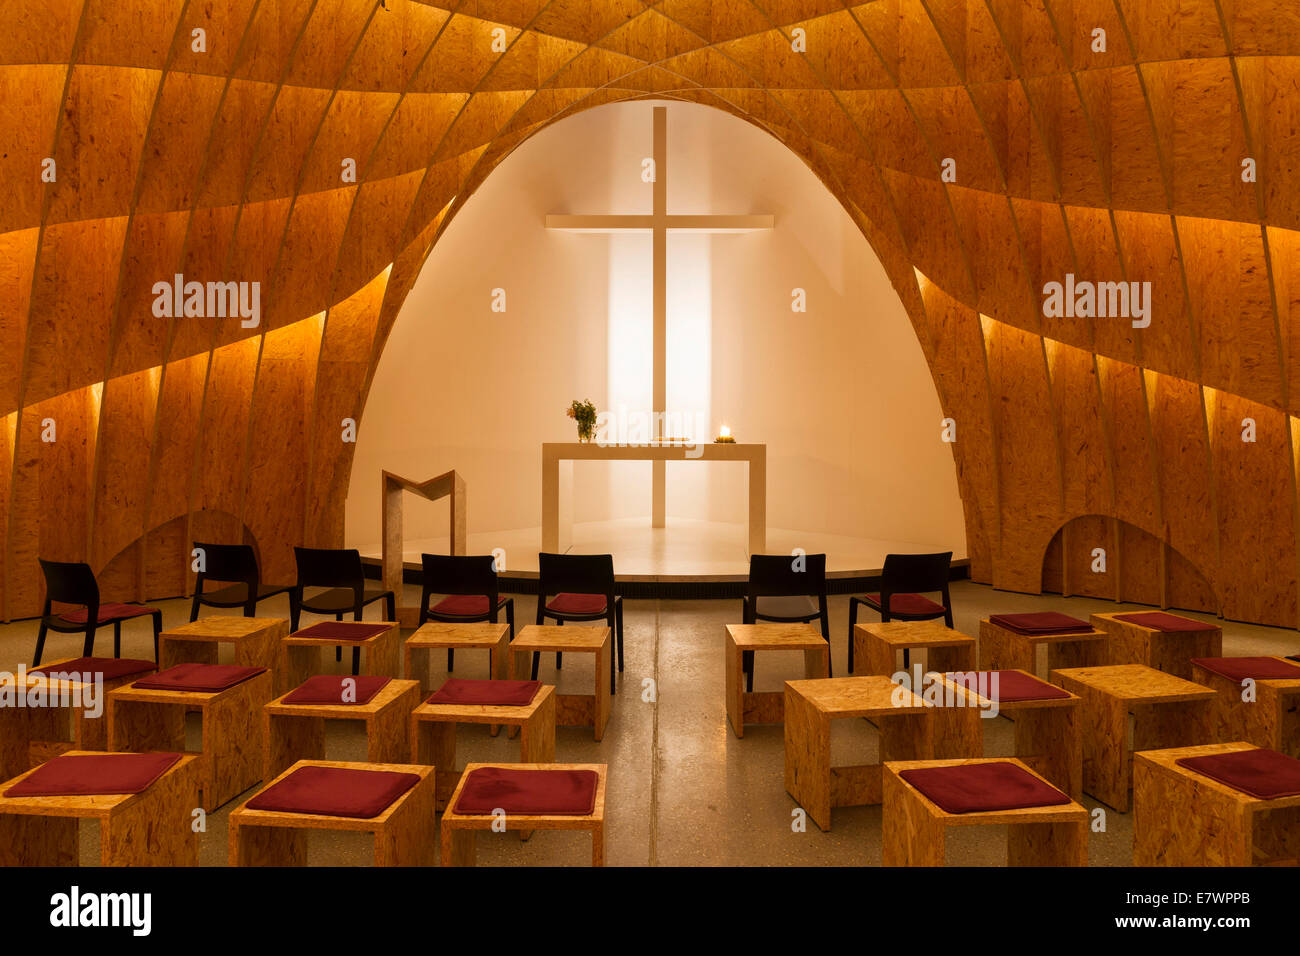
{"x":683,"y":790}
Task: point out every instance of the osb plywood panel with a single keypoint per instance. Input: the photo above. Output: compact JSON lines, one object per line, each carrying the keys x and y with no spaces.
{"x":223,"y":164}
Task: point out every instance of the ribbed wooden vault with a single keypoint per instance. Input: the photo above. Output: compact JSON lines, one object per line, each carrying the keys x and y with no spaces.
{"x":1122,"y":165}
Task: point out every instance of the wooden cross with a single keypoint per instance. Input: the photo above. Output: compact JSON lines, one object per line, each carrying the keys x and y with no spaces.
{"x":659,"y":223}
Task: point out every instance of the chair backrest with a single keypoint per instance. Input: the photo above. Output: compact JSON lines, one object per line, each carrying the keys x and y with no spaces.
{"x":330,"y":568}
{"x":576,"y":574}
{"x":916,"y":573}
{"x":69,"y":582}
{"x":787,"y":575}
{"x":459,"y":574}
{"x":228,"y":562}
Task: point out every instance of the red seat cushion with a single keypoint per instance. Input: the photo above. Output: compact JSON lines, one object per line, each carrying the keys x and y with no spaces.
{"x":908,"y":604}
{"x":500,"y":693}
{"x":577,"y":604}
{"x":87,"y":774}
{"x":335,"y":792}
{"x":464,"y":605}
{"x":199,"y":677}
{"x":1160,"y":621}
{"x":983,"y":787}
{"x":328,"y":689}
{"x":108,"y":613}
{"x":530,"y":792}
{"x":1266,"y":774}
{"x":1040,"y":622}
{"x":110,"y":667}
{"x":342,"y":631}
{"x":1011,"y":686}
{"x":1254,"y":668}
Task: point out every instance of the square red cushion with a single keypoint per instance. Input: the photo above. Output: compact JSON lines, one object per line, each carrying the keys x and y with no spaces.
{"x":108,"y":613}
{"x":907,"y":604}
{"x":328,"y":689}
{"x":335,"y":792}
{"x":88,"y":667}
{"x":1255,"y":668}
{"x":577,"y":604}
{"x":1011,"y":686}
{"x":1160,"y":621}
{"x":464,"y":605}
{"x":529,"y":792}
{"x":501,"y":693}
{"x":984,"y":787}
{"x":1040,"y":622}
{"x":1266,"y":774}
{"x":199,"y":677}
{"x":91,"y":774}
{"x":342,"y":631}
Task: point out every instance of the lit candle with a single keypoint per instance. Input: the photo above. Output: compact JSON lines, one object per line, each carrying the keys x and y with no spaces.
{"x":724,"y":432}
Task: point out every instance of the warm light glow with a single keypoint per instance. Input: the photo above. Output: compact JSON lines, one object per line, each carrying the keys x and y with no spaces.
{"x":724,"y":431}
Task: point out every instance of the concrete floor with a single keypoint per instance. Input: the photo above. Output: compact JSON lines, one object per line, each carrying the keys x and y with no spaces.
{"x":682,"y":790}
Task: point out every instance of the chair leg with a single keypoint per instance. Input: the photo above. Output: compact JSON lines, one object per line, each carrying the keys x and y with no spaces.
{"x":157,"y":629}
{"x":194,"y":608}
{"x":451,"y":660}
{"x":510,"y":617}
{"x":618,"y":633}
{"x":356,"y":661}
{"x":40,"y":644}
{"x":390,"y":602}
{"x":612,"y":678}
{"x":747,"y":662}
{"x":826,"y":633}
{"x":537,"y":657}
{"x":559,"y":660}
{"x":88,"y":647}
{"x":338,"y":651}
{"x":117,"y":639}
{"x":853,"y":621}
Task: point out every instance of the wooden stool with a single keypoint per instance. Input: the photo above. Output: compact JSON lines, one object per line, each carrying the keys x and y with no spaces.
{"x":1002,"y":649}
{"x":571,"y":710}
{"x":141,"y":720}
{"x":404,"y":834}
{"x":293,"y":732}
{"x":459,"y":831}
{"x":256,"y":641}
{"x":433,"y":733}
{"x":1049,"y":737}
{"x":29,"y":736}
{"x":150,"y":828}
{"x":1167,"y":712}
{"x":1184,"y":818}
{"x":878,"y":644}
{"x":1168,"y":651}
{"x":902,"y":718}
{"x":768,"y":707}
{"x":301,"y":653}
{"x":915,"y":828}
{"x":1271,"y":720}
{"x":435,"y":635}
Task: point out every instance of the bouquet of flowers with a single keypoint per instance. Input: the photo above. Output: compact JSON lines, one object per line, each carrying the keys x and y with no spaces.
{"x":584,"y":413}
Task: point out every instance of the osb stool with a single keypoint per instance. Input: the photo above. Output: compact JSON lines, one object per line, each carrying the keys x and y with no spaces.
{"x":1167,"y":711}
{"x":878,"y":644}
{"x":571,"y":710}
{"x":1216,"y":805}
{"x":59,"y":707}
{"x":1049,"y":736}
{"x":143,"y":803}
{"x":524,"y":797}
{"x":1269,"y":716}
{"x":1011,"y":642}
{"x":1167,"y":642}
{"x":526,"y":707}
{"x":294,"y":724}
{"x":149,"y":714}
{"x":380,"y":644}
{"x":392,"y":801}
{"x":437,"y":635}
{"x":255,"y":641}
{"x":768,"y":707}
{"x":902,"y":719}
{"x":923,"y":798}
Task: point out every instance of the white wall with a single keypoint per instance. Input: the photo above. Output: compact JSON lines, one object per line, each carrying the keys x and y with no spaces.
{"x":841,"y":393}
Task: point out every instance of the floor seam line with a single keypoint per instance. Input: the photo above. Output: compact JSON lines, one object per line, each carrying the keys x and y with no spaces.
{"x":654,"y":745}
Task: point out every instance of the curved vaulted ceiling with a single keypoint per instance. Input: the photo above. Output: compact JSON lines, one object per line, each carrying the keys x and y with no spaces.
{"x":218,"y":155}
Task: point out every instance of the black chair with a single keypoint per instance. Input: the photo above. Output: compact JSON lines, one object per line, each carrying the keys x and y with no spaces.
{"x":74,"y":583}
{"x":339,"y":571}
{"x":904,"y":582}
{"x":583,"y":585}
{"x":237,"y":564}
{"x":470,"y":585}
{"x":781,"y":589}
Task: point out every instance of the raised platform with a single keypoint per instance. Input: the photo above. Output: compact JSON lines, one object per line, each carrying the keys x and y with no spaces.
{"x":689,"y":558}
